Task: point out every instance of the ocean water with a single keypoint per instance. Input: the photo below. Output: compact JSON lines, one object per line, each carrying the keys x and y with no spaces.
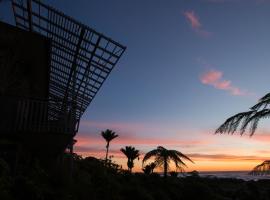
{"x":233,"y":174}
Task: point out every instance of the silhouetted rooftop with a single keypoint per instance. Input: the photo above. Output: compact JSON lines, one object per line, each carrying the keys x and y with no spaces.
{"x":81,"y":58}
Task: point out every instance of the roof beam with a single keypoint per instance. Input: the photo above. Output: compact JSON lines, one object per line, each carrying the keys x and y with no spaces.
{"x":74,"y":63}
{"x":86,"y":73}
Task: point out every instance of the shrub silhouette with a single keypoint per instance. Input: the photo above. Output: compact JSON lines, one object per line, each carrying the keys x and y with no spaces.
{"x":149,"y":169}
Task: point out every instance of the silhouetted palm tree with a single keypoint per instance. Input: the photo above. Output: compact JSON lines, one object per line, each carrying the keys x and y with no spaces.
{"x":131,"y":153}
{"x":163,"y":157}
{"x":108,"y":135}
{"x":247,"y":119}
{"x":261,"y":169}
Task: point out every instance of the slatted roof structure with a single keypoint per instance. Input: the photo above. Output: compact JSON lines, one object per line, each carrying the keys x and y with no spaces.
{"x":81,"y":58}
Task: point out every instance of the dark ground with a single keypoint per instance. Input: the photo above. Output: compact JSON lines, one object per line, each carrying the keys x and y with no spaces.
{"x":94,"y":181}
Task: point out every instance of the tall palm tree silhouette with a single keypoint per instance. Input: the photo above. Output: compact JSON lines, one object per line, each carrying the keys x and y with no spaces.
{"x":163,"y":157}
{"x":108,"y":135}
{"x":248,"y":119}
{"x":131,"y":153}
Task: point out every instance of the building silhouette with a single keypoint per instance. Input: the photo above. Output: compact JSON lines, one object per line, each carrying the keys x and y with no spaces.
{"x":52,"y":66}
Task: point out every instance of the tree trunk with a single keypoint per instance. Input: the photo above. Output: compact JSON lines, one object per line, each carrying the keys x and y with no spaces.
{"x":165,"y":168}
{"x":129,"y":164}
{"x":107,"y":150}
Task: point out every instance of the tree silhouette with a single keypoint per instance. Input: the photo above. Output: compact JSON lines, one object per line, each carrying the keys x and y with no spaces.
{"x":261,"y":169}
{"x":108,"y":135}
{"x":163,"y":157}
{"x":131,"y":153}
{"x":249,"y":119}
{"x":149,"y":169}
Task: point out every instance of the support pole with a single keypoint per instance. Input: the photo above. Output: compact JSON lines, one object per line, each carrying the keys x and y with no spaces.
{"x":29,"y":11}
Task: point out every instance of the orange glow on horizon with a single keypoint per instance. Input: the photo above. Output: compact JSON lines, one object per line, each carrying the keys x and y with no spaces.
{"x":199,"y":164}
{"x":216,"y":152}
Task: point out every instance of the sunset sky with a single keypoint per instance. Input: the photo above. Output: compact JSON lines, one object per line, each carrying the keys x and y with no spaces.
{"x":189,"y":65}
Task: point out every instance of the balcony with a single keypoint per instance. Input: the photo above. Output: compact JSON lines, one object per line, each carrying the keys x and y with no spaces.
{"x":35,"y":116}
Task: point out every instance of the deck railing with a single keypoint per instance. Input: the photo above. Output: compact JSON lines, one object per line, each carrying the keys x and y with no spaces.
{"x":35,"y":116}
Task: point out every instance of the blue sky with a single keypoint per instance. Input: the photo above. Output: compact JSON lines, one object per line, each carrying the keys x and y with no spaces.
{"x":183,"y":61}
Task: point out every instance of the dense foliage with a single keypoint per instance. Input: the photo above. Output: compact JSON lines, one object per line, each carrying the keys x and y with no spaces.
{"x":95,"y":180}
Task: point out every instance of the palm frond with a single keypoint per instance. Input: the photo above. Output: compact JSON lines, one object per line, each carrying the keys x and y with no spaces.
{"x":265,"y":97}
{"x":159,"y":162}
{"x":247,"y":119}
{"x":263,"y":102}
{"x":253,"y":120}
{"x":182,"y":155}
{"x":163,"y":157}
{"x":232,"y":123}
{"x":130,"y":152}
{"x":108,"y":135}
{"x":123,"y":151}
{"x":150,"y":154}
{"x":177,"y":160}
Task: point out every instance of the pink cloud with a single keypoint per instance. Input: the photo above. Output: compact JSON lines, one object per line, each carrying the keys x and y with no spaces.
{"x":262,"y":136}
{"x":193,"y":19}
{"x":211,"y":77}
{"x":94,"y":144}
{"x":230,"y":157}
{"x":90,"y":139}
{"x":139,"y":133}
{"x":223,"y":85}
{"x":195,"y":23}
{"x":135,"y":128}
{"x":215,"y":79}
